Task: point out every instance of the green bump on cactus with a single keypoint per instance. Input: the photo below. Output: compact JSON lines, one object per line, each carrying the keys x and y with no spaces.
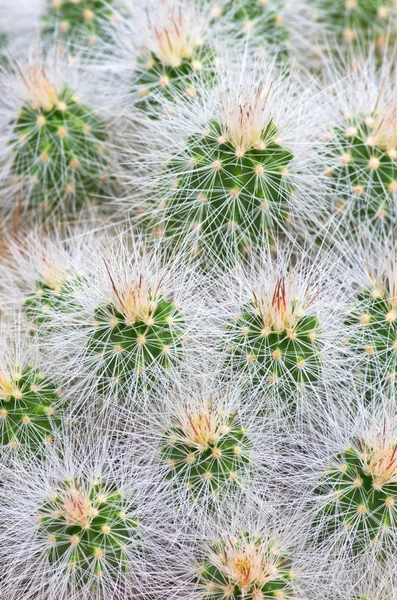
{"x":27,"y":415}
{"x":360,"y":494}
{"x":207,"y":452}
{"x":77,"y":21}
{"x":375,"y":314}
{"x":57,"y":147}
{"x":275,"y":342}
{"x":356,"y":21}
{"x":230,"y":187}
{"x":139,"y":331}
{"x":365,"y":171}
{"x":89,"y":525}
{"x":245,"y":567}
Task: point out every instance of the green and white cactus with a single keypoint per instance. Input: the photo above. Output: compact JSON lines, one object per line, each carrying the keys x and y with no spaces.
{"x":275,"y":340}
{"x":207,"y":452}
{"x":80,"y":23}
{"x":245,"y":567}
{"x":57,"y":147}
{"x":358,"y":495}
{"x":88,"y":526}
{"x":29,"y":417}
{"x":140,"y":331}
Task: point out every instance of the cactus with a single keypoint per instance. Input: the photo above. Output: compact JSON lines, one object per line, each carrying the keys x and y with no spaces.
{"x":229,"y":187}
{"x":52,"y":293}
{"x":375,"y":337}
{"x":78,"y":21}
{"x":359,"y":21}
{"x":172,"y":60}
{"x":275,"y":341}
{"x":359,"y":493}
{"x":261,"y":19}
{"x":207,"y":452}
{"x":364,"y":169}
{"x":57,"y":147}
{"x":245,"y":567}
{"x":28,"y":418}
{"x":88,"y":527}
{"x":137,"y":332}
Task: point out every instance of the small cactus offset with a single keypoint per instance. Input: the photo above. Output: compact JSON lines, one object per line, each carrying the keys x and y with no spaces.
{"x":245,"y":567}
{"x":140,"y":330}
{"x":359,"y":494}
{"x":57,"y":146}
{"x":29,"y":416}
{"x":207,"y":452}
{"x":77,"y":22}
{"x":87,"y":526}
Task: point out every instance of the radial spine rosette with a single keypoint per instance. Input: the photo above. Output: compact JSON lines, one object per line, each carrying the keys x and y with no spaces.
{"x":245,"y":566}
{"x":207,"y":451}
{"x":358,"y":494}
{"x":79,"y":23}
{"x":174,"y":55}
{"x":54,"y":142}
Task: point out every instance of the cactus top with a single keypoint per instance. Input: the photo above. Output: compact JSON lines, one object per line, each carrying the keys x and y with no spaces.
{"x":361,"y":492}
{"x":78,"y":19}
{"x":356,"y":20}
{"x":231,"y":186}
{"x":206,"y":451}
{"x":136,"y":330}
{"x":57,"y":146}
{"x":245,"y":567}
{"x":364,"y":166}
{"x":274,"y":338}
{"x":87,"y":527}
{"x":172,"y":60}
{"x":28,"y":416}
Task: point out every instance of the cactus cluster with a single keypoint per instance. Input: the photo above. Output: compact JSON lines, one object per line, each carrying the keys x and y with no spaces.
{"x":29,"y":416}
{"x":206,"y":452}
{"x":139,"y":331}
{"x":358,"y":496}
{"x":227,"y":190}
{"x":245,"y":567}
{"x":87,"y":526}
{"x":364,"y":169}
{"x":57,"y":147}
{"x":275,"y":342}
{"x":78,"y":22}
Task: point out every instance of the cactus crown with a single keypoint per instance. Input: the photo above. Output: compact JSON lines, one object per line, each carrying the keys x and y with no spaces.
{"x":361,"y":492}
{"x":138,"y":329}
{"x":356,"y":20}
{"x":57,"y":145}
{"x":274,"y":338}
{"x":375,"y":320}
{"x":365,"y":166}
{"x":78,"y":19}
{"x":230,"y":186}
{"x":87,"y":526}
{"x":206,"y":451}
{"x":27,"y":414}
{"x":174,"y":55}
{"x":247,"y":567}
